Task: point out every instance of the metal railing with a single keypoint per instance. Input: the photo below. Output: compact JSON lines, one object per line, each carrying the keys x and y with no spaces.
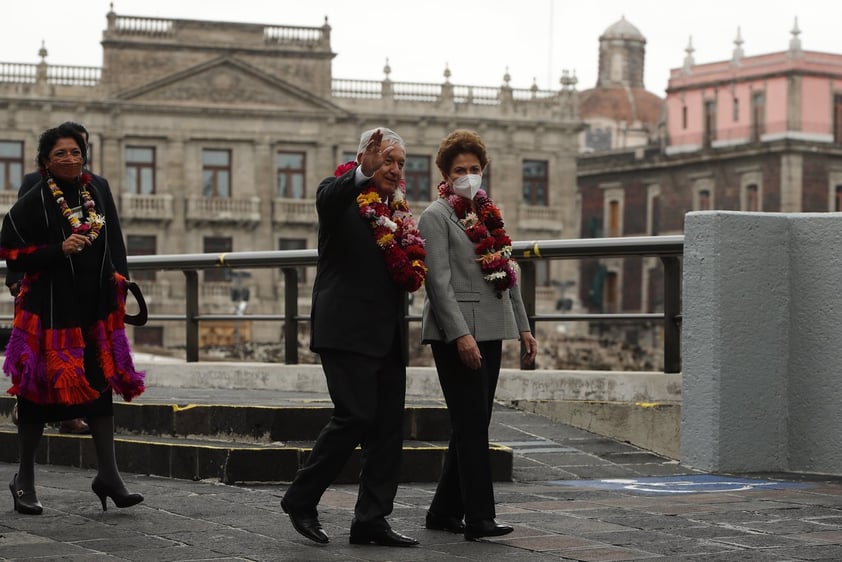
{"x":668,"y":248}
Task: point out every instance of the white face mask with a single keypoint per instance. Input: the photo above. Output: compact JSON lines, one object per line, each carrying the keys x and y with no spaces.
{"x":467,"y":186}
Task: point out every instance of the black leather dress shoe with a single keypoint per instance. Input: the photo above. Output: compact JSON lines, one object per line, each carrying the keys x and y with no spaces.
{"x":382,"y":536}
{"x":486,"y":528}
{"x":449,"y":523}
{"x":307,"y":524}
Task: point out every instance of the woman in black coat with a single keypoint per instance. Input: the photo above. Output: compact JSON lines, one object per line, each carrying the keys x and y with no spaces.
{"x":68,"y":349}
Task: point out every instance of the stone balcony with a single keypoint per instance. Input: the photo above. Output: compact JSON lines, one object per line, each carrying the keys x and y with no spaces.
{"x":7,"y":199}
{"x":298,"y":211}
{"x":146,"y":207}
{"x":545,"y":219}
{"x":243,"y":211}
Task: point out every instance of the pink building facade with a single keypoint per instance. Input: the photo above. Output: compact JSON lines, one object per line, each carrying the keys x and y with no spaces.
{"x":791,"y":94}
{"x":756,"y":134}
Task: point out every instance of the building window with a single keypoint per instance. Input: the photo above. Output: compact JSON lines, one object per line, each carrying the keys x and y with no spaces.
{"x":614,"y":218}
{"x":140,"y":170}
{"x":655,"y":216}
{"x":11,"y":165}
{"x":217,"y":245}
{"x":536,"y":182}
{"x":152,"y":336}
{"x":617,"y":67}
{"x":138,"y":245}
{"x":216,"y":173}
{"x":758,"y":115}
{"x":290,"y":170}
{"x":611,"y":294}
{"x":838,"y":199}
{"x":736,"y":109}
{"x":295,"y":244}
{"x":751,"y":198}
{"x":597,"y":138}
{"x":705,"y":201}
{"x":416,"y":173}
{"x":837,"y":118}
{"x":684,"y":117}
{"x":710,"y":122}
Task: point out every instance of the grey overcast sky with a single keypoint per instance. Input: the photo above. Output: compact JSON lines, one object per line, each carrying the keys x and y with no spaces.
{"x":477,"y":39}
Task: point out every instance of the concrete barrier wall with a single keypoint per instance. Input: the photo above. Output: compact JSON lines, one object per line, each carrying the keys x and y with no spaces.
{"x":642,"y":408}
{"x":762,"y":342}
{"x":514,"y":384}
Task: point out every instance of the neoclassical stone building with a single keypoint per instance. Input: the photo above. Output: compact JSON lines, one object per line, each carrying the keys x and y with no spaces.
{"x":215,"y":135}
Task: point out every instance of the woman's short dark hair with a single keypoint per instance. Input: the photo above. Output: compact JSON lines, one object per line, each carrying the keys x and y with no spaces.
{"x":460,"y":141}
{"x":79,"y":127}
{"x":50,"y":137}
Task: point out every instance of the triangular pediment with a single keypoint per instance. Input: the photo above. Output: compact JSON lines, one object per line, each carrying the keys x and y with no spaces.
{"x":228,"y":82}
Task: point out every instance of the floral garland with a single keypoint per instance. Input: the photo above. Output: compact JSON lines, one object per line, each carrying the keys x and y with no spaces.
{"x":95,"y":221}
{"x":395,"y":232}
{"x":485,"y":229}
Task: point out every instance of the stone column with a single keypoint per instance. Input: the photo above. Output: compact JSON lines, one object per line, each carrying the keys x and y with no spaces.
{"x":761,"y":342}
{"x":734,"y":341}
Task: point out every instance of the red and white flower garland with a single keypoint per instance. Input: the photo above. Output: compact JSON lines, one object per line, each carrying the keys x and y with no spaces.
{"x":395,"y":232}
{"x":486,"y":230}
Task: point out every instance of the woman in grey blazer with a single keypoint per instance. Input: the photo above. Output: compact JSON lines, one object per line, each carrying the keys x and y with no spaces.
{"x":473,"y":303}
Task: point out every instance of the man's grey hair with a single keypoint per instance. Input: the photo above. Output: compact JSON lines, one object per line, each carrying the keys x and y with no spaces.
{"x":389,"y":137}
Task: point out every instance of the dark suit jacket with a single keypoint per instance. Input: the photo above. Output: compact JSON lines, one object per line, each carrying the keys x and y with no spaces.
{"x":105,"y":201}
{"x":356,"y":306}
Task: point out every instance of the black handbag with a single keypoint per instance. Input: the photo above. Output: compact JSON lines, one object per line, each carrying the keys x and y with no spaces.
{"x":142,"y":315}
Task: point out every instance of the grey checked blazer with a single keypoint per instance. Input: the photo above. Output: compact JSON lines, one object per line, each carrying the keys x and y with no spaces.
{"x":459,"y":301}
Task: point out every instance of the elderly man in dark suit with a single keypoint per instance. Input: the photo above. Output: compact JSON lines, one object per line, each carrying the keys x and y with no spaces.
{"x":357,"y":330}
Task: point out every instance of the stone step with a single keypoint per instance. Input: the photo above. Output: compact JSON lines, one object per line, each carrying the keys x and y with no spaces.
{"x":238,"y":443}
{"x":261,"y":424}
{"x":229,"y":461}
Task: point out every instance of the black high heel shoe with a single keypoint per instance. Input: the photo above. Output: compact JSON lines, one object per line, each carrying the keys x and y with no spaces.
{"x":124,"y":499}
{"x":25,"y":502}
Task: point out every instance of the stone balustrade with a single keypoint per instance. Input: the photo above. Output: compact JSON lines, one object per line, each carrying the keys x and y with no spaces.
{"x":7,"y":199}
{"x":244,"y":211}
{"x":131,"y":25}
{"x":534,"y":217}
{"x":19,"y":73}
{"x":301,"y":211}
{"x":146,"y":207}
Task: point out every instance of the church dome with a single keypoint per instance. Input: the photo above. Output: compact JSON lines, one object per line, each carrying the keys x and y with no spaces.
{"x":621,"y":104}
{"x":623,"y":30}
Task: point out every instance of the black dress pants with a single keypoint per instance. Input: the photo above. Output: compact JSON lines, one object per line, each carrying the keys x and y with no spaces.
{"x":368,"y":396}
{"x":465,"y":487}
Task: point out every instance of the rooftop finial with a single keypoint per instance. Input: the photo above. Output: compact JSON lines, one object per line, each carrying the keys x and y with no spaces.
{"x":738,"y":49}
{"x":795,"y":42}
{"x":447,"y":73}
{"x":387,"y":70}
{"x":42,"y":52}
{"x":688,"y":59}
